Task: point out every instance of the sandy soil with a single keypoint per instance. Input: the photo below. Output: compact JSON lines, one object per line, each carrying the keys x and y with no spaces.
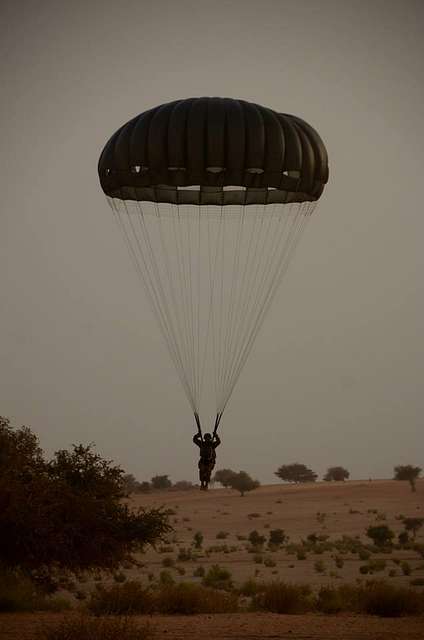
{"x":333,"y":509}
{"x":348,"y":508}
{"x":251,"y":626}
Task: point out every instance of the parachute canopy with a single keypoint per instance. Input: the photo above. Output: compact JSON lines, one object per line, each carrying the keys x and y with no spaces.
{"x":214,"y":143}
{"x":212,"y":196}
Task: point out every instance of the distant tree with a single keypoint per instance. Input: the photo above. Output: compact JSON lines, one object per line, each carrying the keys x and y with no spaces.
{"x":413,"y":525}
{"x":161,"y":482}
{"x":381,"y":535}
{"x":296,"y":472}
{"x":277,"y":537}
{"x":68,"y":512}
{"x":130,"y":484}
{"x":224,"y":477}
{"x":243,"y":483}
{"x":182,"y":485}
{"x":144,"y":487}
{"x":255,"y":539}
{"x":337,"y":474}
{"x":409,"y":473}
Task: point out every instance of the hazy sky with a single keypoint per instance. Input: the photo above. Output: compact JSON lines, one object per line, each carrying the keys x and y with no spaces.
{"x":336,"y":376}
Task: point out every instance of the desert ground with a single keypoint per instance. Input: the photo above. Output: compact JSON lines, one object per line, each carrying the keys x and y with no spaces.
{"x":332,"y":509}
{"x":225,"y":519}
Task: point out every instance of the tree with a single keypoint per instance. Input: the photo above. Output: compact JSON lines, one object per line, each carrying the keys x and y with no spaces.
{"x":255,"y":539}
{"x":413,"y":525}
{"x":130,"y":484}
{"x":277,"y":537}
{"x":242,"y":482}
{"x":67,"y":512}
{"x":224,"y":477}
{"x":407,"y":472}
{"x":161,"y":482}
{"x":296,"y":472}
{"x":381,"y":535}
{"x":337,"y":474}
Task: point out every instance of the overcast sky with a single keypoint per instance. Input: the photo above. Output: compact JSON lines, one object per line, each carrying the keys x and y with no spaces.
{"x":336,"y":376}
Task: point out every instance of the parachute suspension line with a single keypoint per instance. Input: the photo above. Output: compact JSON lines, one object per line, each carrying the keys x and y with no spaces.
{"x":142,"y":247}
{"x":256,"y":316}
{"x":306,"y":209}
{"x":146,"y":279}
{"x":182,"y":304}
{"x":251,"y":289}
{"x":235,"y":271}
{"x":161,"y":288}
{"x":257,"y":287}
{"x":199,"y":428}
{"x":172,"y":289}
{"x":211,"y":273}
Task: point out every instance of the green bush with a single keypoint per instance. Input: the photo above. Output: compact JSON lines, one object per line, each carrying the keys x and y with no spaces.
{"x":255,"y":539}
{"x":250,"y":588}
{"x":87,"y":628}
{"x":277,"y":537}
{"x":331,"y":600}
{"x":381,"y":535}
{"x":121,"y":599}
{"x":19,"y":593}
{"x":218,"y":578}
{"x":280,"y":597}
{"x":198,"y":540}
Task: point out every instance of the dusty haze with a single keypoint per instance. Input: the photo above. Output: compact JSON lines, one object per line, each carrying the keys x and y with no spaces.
{"x":336,"y":376}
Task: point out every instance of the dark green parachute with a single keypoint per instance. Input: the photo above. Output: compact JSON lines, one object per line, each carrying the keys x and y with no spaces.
{"x":212,"y":196}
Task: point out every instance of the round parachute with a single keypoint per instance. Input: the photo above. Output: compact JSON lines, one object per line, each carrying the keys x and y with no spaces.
{"x":212,"y":196}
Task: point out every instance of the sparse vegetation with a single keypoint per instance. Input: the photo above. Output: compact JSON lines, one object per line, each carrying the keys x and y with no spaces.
{"x":280,"y":597}
{"x":121,"y":599}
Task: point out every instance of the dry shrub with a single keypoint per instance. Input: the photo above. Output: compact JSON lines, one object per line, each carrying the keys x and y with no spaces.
{"x":188,"y":599}
{"x":121,"y":599}
{"x":218,"y":578}
{"x":280,"y":597}
{"x":345,"y":597}
{"x":84,"y":627}
{"x":250,"y":588}
{"x":18,"y":593}
{"x":388,"y":601}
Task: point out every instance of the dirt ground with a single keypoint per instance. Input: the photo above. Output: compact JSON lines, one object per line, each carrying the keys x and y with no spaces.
{"x":333,"y":509}
{"x":249,"y":626}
